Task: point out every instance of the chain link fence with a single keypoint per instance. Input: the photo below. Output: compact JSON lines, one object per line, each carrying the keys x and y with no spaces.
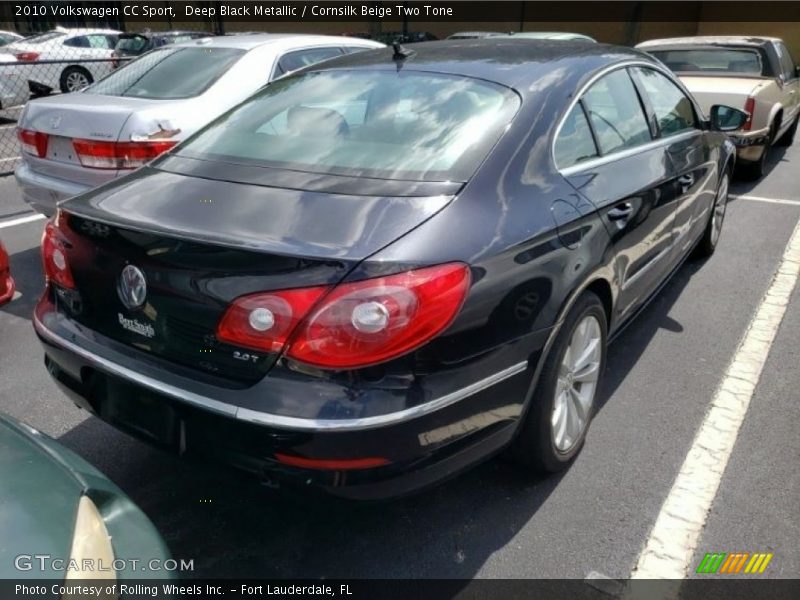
{"x":65,"y":60}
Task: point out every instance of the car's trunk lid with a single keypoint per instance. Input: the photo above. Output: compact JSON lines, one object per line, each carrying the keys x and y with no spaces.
{"x":202,"y":243}
{"x":730,"y":91}
{"x":79,"y":115}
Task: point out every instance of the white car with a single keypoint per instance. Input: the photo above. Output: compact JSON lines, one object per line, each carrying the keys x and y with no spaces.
{"x":73,"y":142}
{"x":7,"y":37}
{"x":13,"y":82}
{"x":77,"y":48}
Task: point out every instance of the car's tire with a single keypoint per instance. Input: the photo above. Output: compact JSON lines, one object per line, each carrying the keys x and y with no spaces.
{"x":74,"y":79}
{"x":549,"y":436}
{"x":753,"y":171}
{"x":708,"y":243}
{"x":787,"y":139}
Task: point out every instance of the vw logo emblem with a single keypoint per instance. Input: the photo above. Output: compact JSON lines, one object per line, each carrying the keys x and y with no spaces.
{"x":132,"y":287}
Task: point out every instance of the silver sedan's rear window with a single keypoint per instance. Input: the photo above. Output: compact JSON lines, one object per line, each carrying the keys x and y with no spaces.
{"x":386,"y":124}
{"x":169,"y":73}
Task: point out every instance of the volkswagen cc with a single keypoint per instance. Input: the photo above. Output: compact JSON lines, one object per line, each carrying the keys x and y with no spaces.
{"x":385,"y":268}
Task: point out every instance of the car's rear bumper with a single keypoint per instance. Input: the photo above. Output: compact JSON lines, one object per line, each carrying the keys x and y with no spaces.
{"x":750,"y":144}
{"x":43,"y":192}
{"x":418,"y":447}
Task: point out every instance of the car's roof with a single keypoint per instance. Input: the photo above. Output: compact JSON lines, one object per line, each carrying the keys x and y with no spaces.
{"x":517,"y":63}
{"x":279,"y":40}
{"x":477,"y":33}
{"x":552,"y":35}
{"x":710,"y":40}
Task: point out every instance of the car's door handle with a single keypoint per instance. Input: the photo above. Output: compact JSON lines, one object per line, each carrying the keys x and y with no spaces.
{"x":621,"y":211}
{"x":686,"y":181}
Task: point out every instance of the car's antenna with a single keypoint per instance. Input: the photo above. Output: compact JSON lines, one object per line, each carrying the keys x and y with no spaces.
{"x":400,"y":53}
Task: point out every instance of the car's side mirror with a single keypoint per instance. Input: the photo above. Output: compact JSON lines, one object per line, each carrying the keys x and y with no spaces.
{"x":727,"y":118}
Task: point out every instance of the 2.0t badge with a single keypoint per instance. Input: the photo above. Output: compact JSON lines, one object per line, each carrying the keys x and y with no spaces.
{"x":132,"y":287}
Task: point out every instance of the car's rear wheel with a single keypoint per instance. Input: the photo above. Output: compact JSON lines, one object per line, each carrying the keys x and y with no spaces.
{"x":787,"y":139}
{"x":708,"y":243}
{"x":563,"y":404}
{"x":74,"y":79}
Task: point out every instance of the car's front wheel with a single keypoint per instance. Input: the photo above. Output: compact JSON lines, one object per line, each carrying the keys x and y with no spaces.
{"x":74,"y":79}
{"x":563,"y":404}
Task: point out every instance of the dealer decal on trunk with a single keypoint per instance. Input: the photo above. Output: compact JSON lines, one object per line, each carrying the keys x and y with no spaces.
{"x":135,"y":326}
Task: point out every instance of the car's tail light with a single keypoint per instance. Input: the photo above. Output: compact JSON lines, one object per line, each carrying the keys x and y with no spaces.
{"x":27,"y":56}
{"x":353,"y":324}
{"x":33,"y":142}
{"x":750,"y":109}
{"x":118,"y":155}
{"x":54,"y":254}
{"x":264,"y":321}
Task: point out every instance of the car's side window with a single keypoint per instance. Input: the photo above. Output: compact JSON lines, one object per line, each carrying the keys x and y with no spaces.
{"x":291,"y":61}
{"x":100,"y":42}
{"x":575,"y":142}
{"x":787,"y":63}
{"x":615,"y":112}
{"x":673,"y":109}
{"x":80,"y":41}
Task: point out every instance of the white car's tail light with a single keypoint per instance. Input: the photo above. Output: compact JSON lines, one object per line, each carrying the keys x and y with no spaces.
{"x":33,"y":142}
{"x":750,"y":109}
{"x":118,"y":155}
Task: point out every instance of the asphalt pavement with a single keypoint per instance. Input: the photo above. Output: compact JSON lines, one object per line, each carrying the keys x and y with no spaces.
{"x":494,"y":521}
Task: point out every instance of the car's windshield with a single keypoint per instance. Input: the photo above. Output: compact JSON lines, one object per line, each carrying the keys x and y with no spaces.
{"x":383,"y":124}
{"x":711,"y":60}
{"x":168,"y":73}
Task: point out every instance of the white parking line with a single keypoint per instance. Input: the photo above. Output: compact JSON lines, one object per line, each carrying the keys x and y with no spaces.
{"x":769,"y":200}
{"x":670,"y":548}
{"x":21,"y":220}
{"x":9,"y":159}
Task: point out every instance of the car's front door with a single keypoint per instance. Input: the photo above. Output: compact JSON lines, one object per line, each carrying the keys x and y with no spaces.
{"x":694,"y":178}
{"x":629,"y":183}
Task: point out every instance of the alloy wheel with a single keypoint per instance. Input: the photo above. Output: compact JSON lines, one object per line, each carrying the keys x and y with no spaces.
{"x":577,"y":383}
{"x":720,"y":204}
{"x":76,"y":81}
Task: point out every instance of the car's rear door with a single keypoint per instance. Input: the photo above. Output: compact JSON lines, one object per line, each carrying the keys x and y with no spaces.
{"x":628,"y":182}
{"x":693,"y":177}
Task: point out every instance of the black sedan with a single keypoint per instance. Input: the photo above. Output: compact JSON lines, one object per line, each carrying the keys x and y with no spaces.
{"x":387,"y":267}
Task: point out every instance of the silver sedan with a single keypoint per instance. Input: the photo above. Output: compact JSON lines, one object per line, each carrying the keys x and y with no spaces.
{"x":73,"y":142}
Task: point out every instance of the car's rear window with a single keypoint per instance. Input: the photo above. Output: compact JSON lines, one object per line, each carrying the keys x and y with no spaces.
{"x":711,"y":60}
{"x":168,"y":73}
{"x":402,"y":125}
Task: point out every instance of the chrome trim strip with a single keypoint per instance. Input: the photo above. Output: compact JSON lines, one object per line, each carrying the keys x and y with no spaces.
{"x":263,"y":418}
{"x":381,"y":420}
{"x":615,"y":156}
{"x":131,"y":375}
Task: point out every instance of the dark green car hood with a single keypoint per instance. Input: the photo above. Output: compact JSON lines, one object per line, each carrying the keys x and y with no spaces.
{"x":41,"y":483}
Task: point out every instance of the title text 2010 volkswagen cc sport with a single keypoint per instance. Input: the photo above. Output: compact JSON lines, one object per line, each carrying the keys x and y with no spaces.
{"x":384,"y":268}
